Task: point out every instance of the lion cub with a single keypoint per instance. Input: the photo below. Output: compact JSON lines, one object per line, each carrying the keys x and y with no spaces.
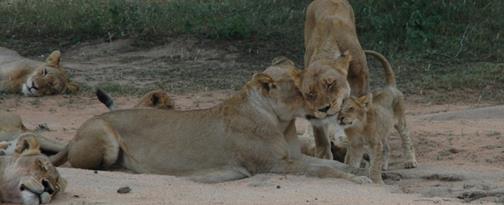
{"x":368,"y":121}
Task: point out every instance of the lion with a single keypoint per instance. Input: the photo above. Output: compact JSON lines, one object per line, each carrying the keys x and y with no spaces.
{"x":368,"y":121}
{"x":32,"y":78}
{"x":28,"y":177}
{"x":12,"y":128}
{"x":158,"y":99}
{"x":331,"y":74}
{"x":251,"y":132}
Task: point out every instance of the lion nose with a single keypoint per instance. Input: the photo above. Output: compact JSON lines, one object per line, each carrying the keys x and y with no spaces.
{"x":341,"y":119}
{"x":324,"y":109}
{"x":47,"y":187}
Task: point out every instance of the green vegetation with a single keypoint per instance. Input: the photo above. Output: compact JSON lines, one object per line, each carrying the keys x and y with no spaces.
{"x":445,"y":44}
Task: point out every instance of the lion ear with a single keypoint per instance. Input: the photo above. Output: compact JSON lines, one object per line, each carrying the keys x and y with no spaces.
{"x":366,"y":100}
{"x":296,"y":76}
{"x":267,"y":83}
{"x":71,"y":88}
{"x":343,"y":62}
{"x":54,"y":59}
{"x":282,"y":60}
{"x":27,"y":144}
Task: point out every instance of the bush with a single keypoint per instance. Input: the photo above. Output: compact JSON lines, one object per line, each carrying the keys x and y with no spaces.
{"x":469,"y":30}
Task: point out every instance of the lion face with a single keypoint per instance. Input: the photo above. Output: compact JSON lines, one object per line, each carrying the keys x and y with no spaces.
{"x":49,"y":79}
{"x":354,"y":111}
{"x":324,"y":85}
{"x":32,"y":179}
{"x":29,"y":176}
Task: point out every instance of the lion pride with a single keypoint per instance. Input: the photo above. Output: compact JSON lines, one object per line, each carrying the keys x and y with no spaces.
{"x":251,"y":132}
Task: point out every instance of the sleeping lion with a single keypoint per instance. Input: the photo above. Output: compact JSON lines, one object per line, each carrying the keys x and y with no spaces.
{"x":32,"y":78}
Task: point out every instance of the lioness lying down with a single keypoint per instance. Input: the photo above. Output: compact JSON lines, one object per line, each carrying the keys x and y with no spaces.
{"x":154,"y":99}
{"x":32,"y":78}
{"x":28,"y":177}
{"x":12,"y":128}
{"x":368,"y":121}
{"x":251,"y":132}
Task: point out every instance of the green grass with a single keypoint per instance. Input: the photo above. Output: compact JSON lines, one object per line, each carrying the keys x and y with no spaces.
{"x":440,"y":45}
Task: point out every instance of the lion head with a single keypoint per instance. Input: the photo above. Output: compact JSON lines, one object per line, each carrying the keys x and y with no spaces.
{"x":49,"y":79}
{"x":354,"y":111}
{"x":276,"y":84}
{"x":324,"y":85}
{"x":29,"y":176}
{"x":156,"y":99}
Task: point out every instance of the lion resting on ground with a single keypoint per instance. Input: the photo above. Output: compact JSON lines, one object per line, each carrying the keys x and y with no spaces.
{"x":32,"y":78}
{"x":158,"y":99}
{"x":331,"y":76}
{"x":12,"y":128}
{"x":251,"y":132}
{"x":28,"y":177}
{"x":368,"y":121}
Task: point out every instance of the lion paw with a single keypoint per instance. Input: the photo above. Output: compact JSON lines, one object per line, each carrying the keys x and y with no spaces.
{"x":45,"y":198}
{"x":361,"y":180}
{"x":410,"y":164}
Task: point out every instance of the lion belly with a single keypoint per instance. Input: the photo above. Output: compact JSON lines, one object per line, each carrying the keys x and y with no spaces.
{"x":171,"y":142}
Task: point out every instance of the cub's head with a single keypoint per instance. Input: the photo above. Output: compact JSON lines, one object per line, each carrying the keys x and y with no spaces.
{"x":354,"y":111}
{"x":49,"y":79}
{"x":275,"y":87}
{"x":156,"y":99}
{"x":324,"y":85}
{"x":32,"y":179}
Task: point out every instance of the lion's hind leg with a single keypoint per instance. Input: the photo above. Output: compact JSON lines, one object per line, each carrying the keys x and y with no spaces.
{"x":220,"y":175}
{"x":402,"y":128}
{"x":96,"y":146}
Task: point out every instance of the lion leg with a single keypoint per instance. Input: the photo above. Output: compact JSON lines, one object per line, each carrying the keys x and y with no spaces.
{"x":220,"y":175}
{"x":322,"y":168}
{"x":96,"y":147}
{"x":386,"y":153}
{"x":354,"y":155}
{"x":49,"y":145}
{"x":322,"y":144}
{"x":402,"y":129}
{"x":375,"y":169}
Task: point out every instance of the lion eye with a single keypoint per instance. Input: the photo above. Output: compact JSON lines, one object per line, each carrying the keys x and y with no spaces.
{"x":311,"y":96}
{"x":331,"y":85}
{"x":351,"y":109}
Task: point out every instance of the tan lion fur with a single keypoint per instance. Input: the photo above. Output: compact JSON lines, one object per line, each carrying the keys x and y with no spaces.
{"x":31,"y":78}
{"x":335,"y":65}
{"x":251,"y":132}
{"x":28,"y":177}
{"x":158,"y":99}
{"x":368,"y":121}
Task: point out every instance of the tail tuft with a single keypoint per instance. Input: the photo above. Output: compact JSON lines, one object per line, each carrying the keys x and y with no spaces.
{"x":104,"y":98}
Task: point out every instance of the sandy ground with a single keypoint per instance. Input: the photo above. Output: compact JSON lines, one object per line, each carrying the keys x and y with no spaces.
{"x":460,"y":148}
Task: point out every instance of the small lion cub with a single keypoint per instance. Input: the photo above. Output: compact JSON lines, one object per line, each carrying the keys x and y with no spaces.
{"x":368,"y":121}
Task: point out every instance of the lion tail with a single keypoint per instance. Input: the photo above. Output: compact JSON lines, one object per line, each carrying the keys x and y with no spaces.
{"x":105,"y":98}
{"x":61,"y":157}
{"x":387,"y":68}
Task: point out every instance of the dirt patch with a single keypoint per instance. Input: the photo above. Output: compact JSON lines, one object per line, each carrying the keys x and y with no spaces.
{"x":460,"y":147}
{"x":181,"y":65}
